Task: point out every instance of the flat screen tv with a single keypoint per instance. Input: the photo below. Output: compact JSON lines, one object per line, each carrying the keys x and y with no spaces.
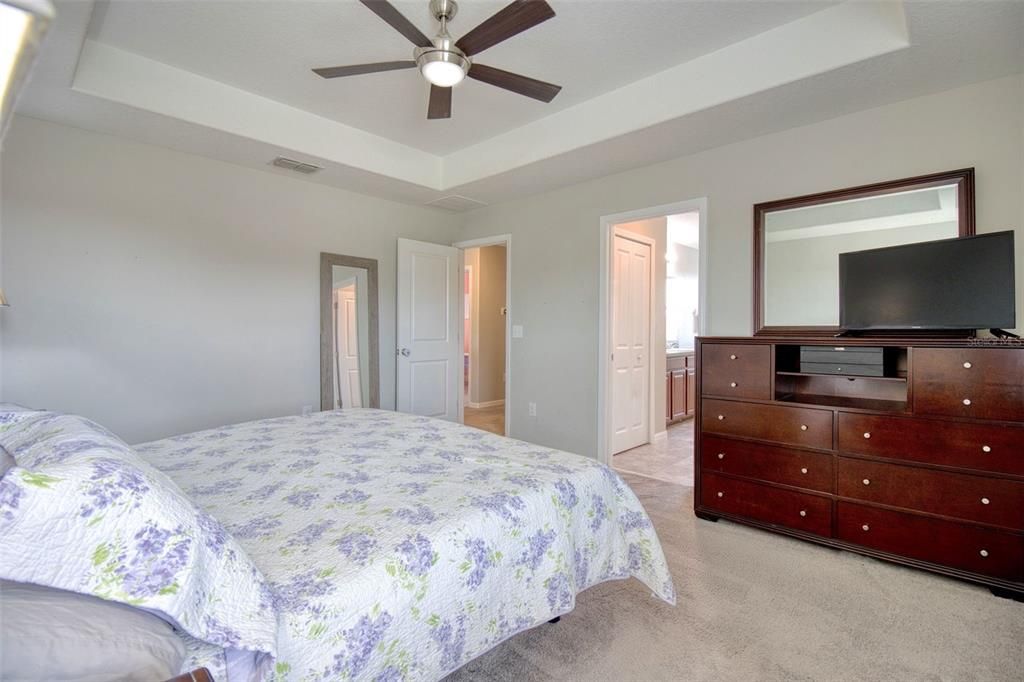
{"x":950,"y":284}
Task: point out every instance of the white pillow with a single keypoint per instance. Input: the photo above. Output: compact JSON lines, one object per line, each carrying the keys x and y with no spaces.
{"x":48,"y":634}
{"x":80,"y":511}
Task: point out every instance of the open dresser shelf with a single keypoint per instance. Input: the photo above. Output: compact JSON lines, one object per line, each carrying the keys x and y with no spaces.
{"x":921,"y":464}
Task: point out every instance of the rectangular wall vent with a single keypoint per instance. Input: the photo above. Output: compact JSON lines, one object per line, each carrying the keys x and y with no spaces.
{"x":456,"y":202}
{"x":293,"y":165}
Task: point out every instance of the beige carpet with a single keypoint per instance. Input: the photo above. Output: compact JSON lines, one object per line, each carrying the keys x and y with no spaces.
{"x":756,"y":606}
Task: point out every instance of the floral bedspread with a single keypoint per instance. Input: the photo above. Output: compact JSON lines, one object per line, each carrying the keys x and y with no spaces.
{"x":400,"y":547}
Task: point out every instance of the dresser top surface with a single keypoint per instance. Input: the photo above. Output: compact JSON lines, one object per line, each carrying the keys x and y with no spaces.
{"x":876,"y":341}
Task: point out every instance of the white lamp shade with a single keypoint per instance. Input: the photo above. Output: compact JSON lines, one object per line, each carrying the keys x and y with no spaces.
{"x":22,"y":25}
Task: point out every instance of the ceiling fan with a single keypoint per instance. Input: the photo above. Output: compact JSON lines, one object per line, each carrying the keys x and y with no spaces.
{"x":444,"y":62}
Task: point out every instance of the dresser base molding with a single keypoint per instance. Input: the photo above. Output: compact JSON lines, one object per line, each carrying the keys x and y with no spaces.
{"x":999,"y":588}
{"x":1012,"y":594}
{"x":922,"y":466}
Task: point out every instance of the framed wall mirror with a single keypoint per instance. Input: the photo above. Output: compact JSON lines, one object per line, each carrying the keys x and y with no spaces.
{"x":797,"y":242}
{"x":349,"y":334}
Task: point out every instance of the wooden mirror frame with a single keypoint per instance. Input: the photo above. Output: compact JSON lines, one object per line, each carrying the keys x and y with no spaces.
{"x":327,"y":263}
{"x":963,"y":179}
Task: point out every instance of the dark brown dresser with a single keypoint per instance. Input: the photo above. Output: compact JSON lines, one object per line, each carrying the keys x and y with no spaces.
{"x":922,"y":464}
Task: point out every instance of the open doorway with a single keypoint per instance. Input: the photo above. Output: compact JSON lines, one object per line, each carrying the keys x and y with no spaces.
{"x":653,"y":307}
{"x":485,"y":334}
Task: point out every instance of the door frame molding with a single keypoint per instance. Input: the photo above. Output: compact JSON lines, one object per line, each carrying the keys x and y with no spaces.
{"x":495,"y":240}
{"x":606,"y":228}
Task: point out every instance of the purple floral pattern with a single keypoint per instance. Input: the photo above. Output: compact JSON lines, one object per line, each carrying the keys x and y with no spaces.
{"x":418,"y":543}
{"x":122,"y":530}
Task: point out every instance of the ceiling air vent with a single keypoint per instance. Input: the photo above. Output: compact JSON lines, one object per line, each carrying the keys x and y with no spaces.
{"x":293,"y":165}
{"x":456,"y":202}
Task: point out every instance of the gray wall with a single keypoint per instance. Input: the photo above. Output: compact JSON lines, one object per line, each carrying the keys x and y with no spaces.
{"x":159,"y":293}
{"x":555,"y":262}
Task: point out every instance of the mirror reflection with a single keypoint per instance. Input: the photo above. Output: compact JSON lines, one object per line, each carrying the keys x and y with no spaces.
{"x":349,"y":346}
{"x":349,"y":352}
{"x":802,"y":246}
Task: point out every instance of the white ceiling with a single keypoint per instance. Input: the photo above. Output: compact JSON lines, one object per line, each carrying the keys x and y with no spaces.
{"x":268,"y":48}
{"x":643,"y":81}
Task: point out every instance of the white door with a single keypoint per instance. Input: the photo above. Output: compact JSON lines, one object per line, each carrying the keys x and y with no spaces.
{"x":346,"y":335}
{"x":631,"y":330}
{"x":429,"y":316}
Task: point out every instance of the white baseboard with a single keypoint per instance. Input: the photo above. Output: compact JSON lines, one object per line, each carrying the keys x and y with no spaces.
{"x":660,"y":435}
{"x":489,"y":403}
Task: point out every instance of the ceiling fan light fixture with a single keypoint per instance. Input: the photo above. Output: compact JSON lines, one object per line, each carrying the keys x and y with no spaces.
{"x":443,"y":68}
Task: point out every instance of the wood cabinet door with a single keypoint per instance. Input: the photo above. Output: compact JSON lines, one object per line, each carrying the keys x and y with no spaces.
{"x":678,"y":393}
{"x":691,"y":392}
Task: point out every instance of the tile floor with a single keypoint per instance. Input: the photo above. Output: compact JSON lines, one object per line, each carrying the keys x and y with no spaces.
{"x":669,"y":459}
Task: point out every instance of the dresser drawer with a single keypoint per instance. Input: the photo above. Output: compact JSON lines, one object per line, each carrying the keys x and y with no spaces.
{"x":982,"y":383}
{"x":957,"y":444}
{"x":799,"y":426}
{"x":801,"y":511}
{"x":797,"y":468}
{"x":973,"y":498}
{"x":736,"y":370}
{"x":969,"y":548}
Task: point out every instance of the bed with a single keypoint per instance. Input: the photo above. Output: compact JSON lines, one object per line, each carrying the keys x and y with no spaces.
{"x":400,"y":547}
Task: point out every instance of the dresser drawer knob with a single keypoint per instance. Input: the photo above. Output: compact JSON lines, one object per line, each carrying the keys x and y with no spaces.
{"x":985,"y":500}
{"x":803,"y":427}
{"x":983,"y":552}
{"x":803,"y":512}
{"x":721,"y":455}
{"x":968,"y":365}
{"x":721,"y":494}
{"x":866,"y":481}
{"x":733,"y":384}
{"x":803,"y":470}
{"x":865,"y":528}
{"x":967,"y":401}
{"x":867,"y":434}
{"x":721,"y":417}
{"x":732,"y":357}
{"x":985,"y":448}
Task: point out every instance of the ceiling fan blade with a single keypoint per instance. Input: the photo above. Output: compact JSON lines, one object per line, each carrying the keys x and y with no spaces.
{"x":357,"y":69}
{"x":522,"y":85}
{"x":440,"y":102}
{"x":507,"y":22}
{"x":386,"y":11}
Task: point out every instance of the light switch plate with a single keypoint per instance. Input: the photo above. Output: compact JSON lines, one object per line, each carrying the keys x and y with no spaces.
{"x":517,"y":331}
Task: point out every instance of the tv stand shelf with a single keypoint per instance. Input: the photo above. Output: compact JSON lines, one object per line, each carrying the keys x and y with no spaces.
{"x":921,"y":466}
{"x":838,"y":401}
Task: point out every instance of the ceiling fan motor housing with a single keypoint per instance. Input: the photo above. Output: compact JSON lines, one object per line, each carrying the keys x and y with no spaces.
{"x":443,"y":50}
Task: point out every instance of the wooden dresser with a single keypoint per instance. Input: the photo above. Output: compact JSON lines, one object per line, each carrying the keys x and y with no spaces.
{"x":922,"y":466}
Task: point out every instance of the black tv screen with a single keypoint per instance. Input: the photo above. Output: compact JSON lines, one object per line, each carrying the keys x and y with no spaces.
{"x":965,"y":283}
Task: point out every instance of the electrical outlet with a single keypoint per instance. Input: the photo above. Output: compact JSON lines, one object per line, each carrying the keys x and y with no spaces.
{"x":533,"y":409}
{"x":307,"y":410}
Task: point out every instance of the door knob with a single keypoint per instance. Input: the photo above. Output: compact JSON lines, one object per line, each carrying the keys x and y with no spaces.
{"x":404,"y":352}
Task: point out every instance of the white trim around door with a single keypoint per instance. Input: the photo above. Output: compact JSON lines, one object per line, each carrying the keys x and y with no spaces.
{"x":506,"y":241}
{"x":606,"y":229}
